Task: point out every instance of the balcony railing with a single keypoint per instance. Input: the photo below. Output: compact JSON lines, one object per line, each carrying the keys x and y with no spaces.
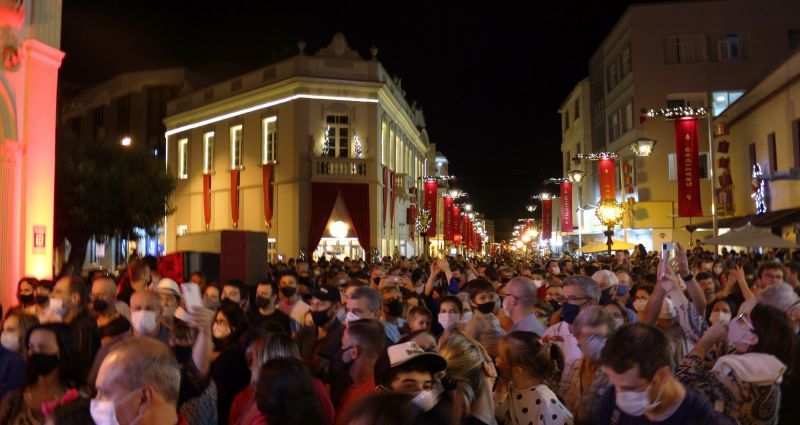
{"x":338,"y":169}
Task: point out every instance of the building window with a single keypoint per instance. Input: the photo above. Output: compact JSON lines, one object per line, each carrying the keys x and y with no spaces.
{"x":208,"y":152}
{"x":566,"y":120}
{"x":613,"y":78}
{"x":124,"y":115}
{"x":626,"y":61}
{"x":268,"y":136}
{"x":383,"y":144}
{"x":722,"y":99}
{"x":236,"y":146}
{"x":183,"y":159}
{"x":731,"y":47}
{"x":685,"y":49}
{"x":577,"y":108}
{"x":673,"y":171}
{"x":338,"y":135}
{"x":773,"y":152}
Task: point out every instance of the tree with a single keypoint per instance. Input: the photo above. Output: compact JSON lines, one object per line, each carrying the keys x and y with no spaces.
{"x":105,"y":189}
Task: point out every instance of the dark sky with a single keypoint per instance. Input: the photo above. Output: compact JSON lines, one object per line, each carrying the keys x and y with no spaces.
{"x":490,"y":79}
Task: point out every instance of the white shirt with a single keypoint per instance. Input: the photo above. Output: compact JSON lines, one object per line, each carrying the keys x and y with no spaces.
{"x":569,"y":345}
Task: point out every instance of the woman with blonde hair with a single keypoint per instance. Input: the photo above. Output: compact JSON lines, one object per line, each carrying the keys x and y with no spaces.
{"x":529,"y":370}
{"x":469,"y":376}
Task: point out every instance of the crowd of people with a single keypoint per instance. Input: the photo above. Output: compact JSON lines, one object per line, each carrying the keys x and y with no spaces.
{"x":626,"y":339}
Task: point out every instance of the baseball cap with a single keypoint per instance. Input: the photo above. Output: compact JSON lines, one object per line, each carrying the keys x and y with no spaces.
{"x":403,"y":353}
{"x":327,"y":293}
{"x":169,"y":287}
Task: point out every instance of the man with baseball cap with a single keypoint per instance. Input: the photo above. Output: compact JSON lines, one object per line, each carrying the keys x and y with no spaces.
{"x":412,"y":369}
{"x":170,"y":294}
{"x":319,"y":343}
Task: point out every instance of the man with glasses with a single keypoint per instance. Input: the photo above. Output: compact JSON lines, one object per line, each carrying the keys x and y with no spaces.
{"x":579,"y":292}
{"x":769,"y":274}
{"x":519,"y":298}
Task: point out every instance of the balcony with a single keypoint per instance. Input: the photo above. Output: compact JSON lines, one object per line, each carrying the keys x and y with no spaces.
{"x":326,"y":169}
{"x":401,"y":184}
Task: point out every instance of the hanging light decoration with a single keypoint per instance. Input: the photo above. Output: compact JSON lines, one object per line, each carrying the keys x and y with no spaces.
{"x":643,"y":146}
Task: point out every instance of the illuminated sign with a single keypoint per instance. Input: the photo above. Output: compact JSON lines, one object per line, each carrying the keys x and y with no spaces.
{"x":39,"y":239}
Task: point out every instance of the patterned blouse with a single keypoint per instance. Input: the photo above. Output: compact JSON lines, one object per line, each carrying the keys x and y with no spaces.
{"x":745,"y":402}
{"x":536,"y":405}
{"x":583,"y":402}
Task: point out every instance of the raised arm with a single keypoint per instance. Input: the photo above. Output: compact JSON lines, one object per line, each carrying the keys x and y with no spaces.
{"x":694,"y":289}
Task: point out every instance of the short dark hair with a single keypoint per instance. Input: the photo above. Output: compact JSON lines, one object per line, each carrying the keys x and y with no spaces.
{"x":414,"y":365}
{"x":238,"y":284}
{"x":455,"y":300}
{"x":78,"y":286}
{"x":370,"y":335}
{"x":68,"y":357}
{"x":285,"y":387}
{"x":136,"y":270}
{"x":775,"y":335}
{"x":703,"y":276}
{"x":271,"y":284}
{"x":769,"y":265}
{"x":420,"y":310}
{"x":491,"y":274}
{"x":476,"y":286}
{"x":638,"y":344}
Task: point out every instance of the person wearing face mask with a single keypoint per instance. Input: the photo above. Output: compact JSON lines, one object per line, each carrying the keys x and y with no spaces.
{"x":375,"y":275}
{"x":138,"y":383}
{"x":110,"y":322}
{"x":721,"y":310}
{"x":392,"y":312}
{"x":449,"y":317}
{"x":528,"y":374}
{"x":580,"y":292}
{"x":618,"y":312}
{"x":412,"y":370}
{"x":71,"y":292}
{"x":484,"y":325}
{"x":583,"y":383}
{"x":553,"y":269}
{"x":41,"y":306}
{"x":638,"y":363}
{"x":137,"y":278}
{"x":319,"y":343}
{"x":170,"y":294}
{"x":211,"y":296}
{"x":146,"y":315}
{"x":362,"y":345}
{"x":12,"y":365}
{"x":26,"y":294}
{"x":290,"y":302}
{"x":641,"y":293}
{"x":518,"y":299}
{"x":471,"y":375}
{"x":264,"y":312}
{"x":744,"y":384}
{"x":15,"y":328}
{"x":607,"y":281}
{"x":52,"y":369}
{"x":229,"y":366}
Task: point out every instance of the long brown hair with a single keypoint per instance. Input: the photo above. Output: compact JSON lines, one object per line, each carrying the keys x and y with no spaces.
{"x":541,"y":361}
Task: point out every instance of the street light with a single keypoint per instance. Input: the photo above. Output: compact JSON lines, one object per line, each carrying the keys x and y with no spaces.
{"x":643,"y":146}
{"x":609,"y":212}
{"x":575,"y":176}
{"x":126,"y":141}
{"x":531,"y":207}
{"x":455,"y":192}
{"x":467,"y":207}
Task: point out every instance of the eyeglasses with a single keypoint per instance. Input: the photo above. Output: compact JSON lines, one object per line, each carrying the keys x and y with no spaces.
{"x":571,"y":300}
{"x":504,"y":296}
{"x":743,"y":318}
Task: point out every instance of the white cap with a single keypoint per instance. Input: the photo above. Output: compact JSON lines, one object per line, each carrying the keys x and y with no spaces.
{"x":407,"y":351}
{"x":169,"y":287}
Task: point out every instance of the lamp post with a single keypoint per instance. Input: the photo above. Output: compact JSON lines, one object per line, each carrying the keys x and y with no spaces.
{"x":609,"y":212}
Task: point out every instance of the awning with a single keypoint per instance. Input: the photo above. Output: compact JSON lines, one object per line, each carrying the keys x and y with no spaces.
{"x":768,"y":219}
{"x":750,"y":236}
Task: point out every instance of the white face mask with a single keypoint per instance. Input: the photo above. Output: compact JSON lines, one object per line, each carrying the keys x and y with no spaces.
{"x":10,"y":340}
{"x":639,"y":304}
{"x":351,"y":317}
{"x":718,"y":316}
{"x":56,"y":306}
{"x":341,"y":315}
{"x":668,"y":310}
{"x":620,"y":322}
{"x":449,"y":320}
{"x":537,"y":283}
{"x":466,"y":317}
{"x":103,"y":412}
{"x":636,"y":403}
{"x":144,"y":321}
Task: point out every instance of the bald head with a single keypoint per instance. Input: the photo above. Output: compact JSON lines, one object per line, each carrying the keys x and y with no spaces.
{"x":104,"y":286}
{"x":523,"y":289}
{"x":136,"y":363}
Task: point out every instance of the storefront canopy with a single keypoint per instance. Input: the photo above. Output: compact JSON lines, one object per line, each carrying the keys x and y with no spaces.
{"x":750,"y":236}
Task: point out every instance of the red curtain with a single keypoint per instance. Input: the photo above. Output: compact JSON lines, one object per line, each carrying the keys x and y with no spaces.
{"x":431,"y":189}
{"x":456,"y":223}
{"x":267,"y":187}
{"x":235,"y":197}
{"x":688,"y":165}
{"x":323,"y":198}
{"x":547,"y":218}
{"x":356,"y":198}
{"x":393,"y":195}
{"x":566,"y":206}
{"x":207,"y":200}
{"x":608,"y":180}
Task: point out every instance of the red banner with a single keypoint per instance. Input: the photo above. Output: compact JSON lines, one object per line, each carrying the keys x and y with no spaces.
{"x":687,"y":157}
{"x":608,"y":179}
{"x":393,"y":196}
{"x":235,"y":197}
{"x":456,"y":223}
{"x":385,"y":192}
{"x":266,"y":185}
{"x":447,"y":217}
{"x":207,"y":200}
{"x":547,"y":218}
{"x":430,"y":204}
{"x":465,"y":231}
{"x":566,"y":206}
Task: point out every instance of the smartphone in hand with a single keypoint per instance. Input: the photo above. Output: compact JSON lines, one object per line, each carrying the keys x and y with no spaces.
{"x":191,"y":295}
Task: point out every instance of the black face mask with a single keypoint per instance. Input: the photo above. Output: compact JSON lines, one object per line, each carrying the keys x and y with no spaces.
{"x":288,"y":291}
{"x":263,"y":302}
{"x":377,"y":280}
{"x":320,"y":318}
{"x":505,"y":280}
{"x":183,"y":353}
{"x":42,"y":364}
{"x":100,"y":305}
{"x":605,"y":296}
{"x":486,"y":307}
{"x":395,"y":308}
{"x":42,"y":299}
{"x":115,"y":327}
{"x":556,"y":305}
{"x":304,"y":280}
{"x":229,"y":303}
{"x":26,"y":299}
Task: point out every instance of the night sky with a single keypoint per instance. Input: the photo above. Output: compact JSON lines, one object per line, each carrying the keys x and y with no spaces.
{"x":490,"y":79}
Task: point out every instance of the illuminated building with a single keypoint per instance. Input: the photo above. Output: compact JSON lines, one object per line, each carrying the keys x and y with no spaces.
{"x":321,"y":151}
{"x":31,"y":58}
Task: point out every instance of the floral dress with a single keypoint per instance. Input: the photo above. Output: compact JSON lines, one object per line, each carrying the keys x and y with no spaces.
{"x":536,"y":405}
